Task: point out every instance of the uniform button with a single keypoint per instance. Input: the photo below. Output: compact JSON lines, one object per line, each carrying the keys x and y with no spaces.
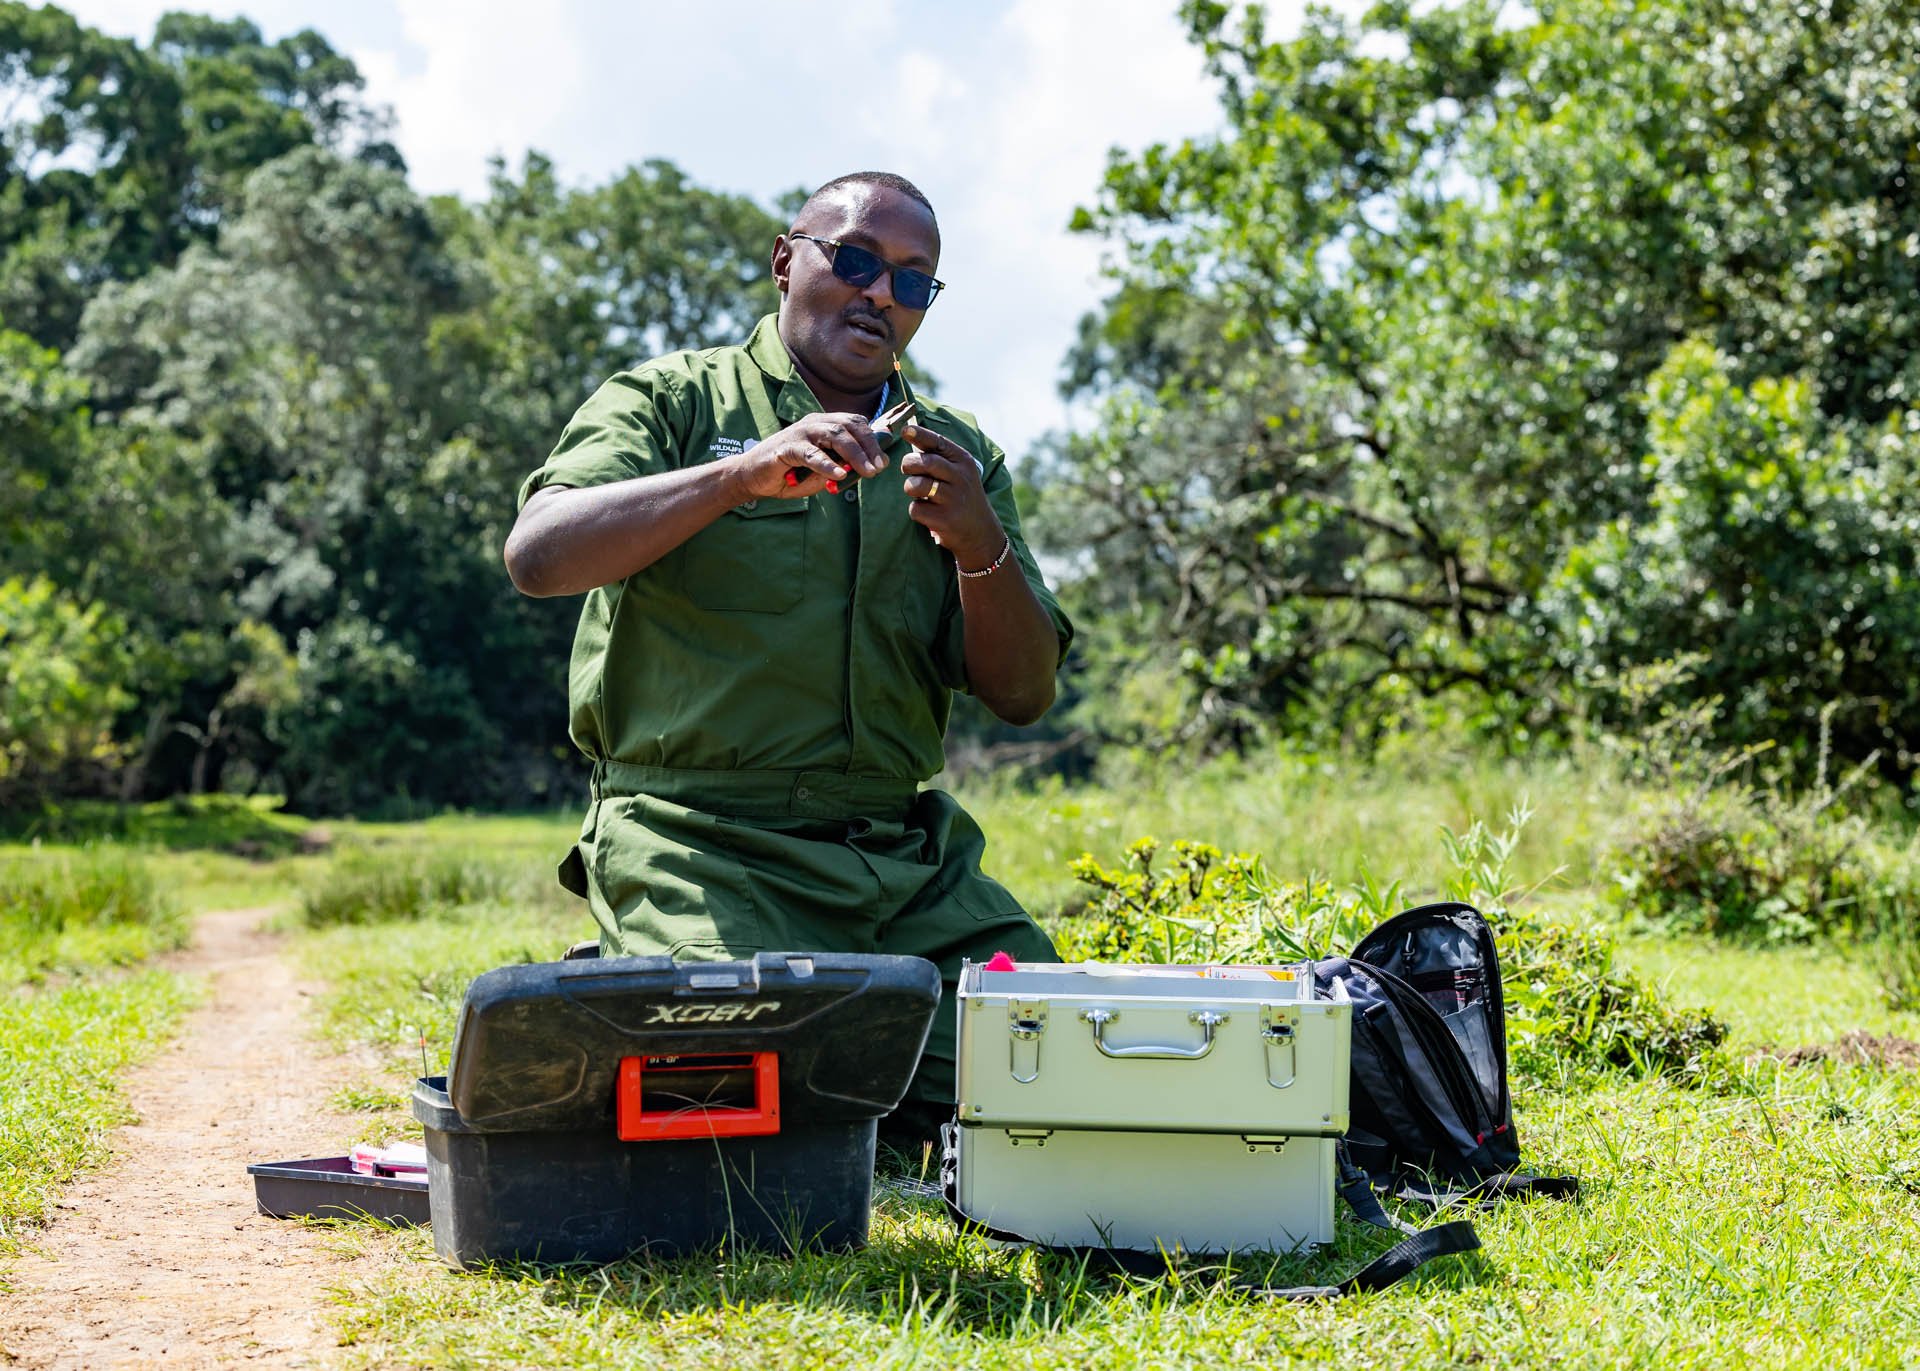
{"x":751,"y":504}
{"x":802,"y":793}
{"x":849,"y":495}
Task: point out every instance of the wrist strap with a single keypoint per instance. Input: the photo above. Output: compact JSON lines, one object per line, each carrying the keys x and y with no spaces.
{"x":1006,"y":550}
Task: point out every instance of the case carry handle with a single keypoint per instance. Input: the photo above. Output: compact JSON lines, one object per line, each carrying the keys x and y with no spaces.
{"x":1208,"y":1019}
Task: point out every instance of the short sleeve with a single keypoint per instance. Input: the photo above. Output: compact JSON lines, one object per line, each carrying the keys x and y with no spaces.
{"x":634,"y":425}
{"x":999,"y":488}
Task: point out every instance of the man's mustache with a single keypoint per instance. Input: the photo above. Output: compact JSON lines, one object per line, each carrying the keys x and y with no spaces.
{"x":878,"y":320}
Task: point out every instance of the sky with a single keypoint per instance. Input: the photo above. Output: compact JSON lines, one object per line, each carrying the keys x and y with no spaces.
{"x":1003,"y":111}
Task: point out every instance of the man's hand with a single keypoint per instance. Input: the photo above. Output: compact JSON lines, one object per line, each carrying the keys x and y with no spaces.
{"x":818,"y":449}
{"x":569,"y":541}
{"x":949,"y":500}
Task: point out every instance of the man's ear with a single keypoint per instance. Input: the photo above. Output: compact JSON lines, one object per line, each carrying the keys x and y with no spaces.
{"x":782,"y":261}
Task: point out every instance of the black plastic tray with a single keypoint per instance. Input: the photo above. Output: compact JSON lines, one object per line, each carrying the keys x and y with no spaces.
{"x":329,"y":1188}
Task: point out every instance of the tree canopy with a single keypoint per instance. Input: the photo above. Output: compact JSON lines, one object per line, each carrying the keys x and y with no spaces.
{"x":1486,"y":354}
{"x":265,"y":408}
{"x":1483,"y":356}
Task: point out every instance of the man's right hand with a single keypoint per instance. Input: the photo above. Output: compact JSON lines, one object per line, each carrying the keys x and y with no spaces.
{"x":818,"y":449}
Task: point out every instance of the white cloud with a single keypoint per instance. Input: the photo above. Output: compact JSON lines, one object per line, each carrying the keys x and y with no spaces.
{"x":1002,"y":111}
{"x":488,"y":83}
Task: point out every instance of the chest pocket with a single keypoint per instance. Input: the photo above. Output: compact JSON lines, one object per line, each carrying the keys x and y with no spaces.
{"x":751,"y":560}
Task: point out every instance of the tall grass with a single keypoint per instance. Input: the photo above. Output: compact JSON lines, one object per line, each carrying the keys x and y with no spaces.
{"x":385,"y":884}
{"x":1332,"y":816}
{"x":89,"y":907}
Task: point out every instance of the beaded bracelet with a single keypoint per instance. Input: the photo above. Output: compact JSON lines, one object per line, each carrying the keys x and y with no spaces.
{"x":1006,"y":549}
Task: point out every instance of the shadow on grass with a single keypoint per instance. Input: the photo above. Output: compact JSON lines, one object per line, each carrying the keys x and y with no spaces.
{"x":919,"y":1264}
{"x":244,"y":827}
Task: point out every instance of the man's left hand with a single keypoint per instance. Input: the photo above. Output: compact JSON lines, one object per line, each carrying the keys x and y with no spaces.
{"x":948,"y":500}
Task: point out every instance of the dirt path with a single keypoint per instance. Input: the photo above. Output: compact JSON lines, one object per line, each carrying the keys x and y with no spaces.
{"x":160,"y":1258}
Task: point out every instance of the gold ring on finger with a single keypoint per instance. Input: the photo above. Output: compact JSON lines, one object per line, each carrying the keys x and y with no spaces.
{"x":932,"y":491}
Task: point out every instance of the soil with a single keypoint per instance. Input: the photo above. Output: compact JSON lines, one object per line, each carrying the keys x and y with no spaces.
{"x":1858,"y":1048}
{"x":160,"y":1256}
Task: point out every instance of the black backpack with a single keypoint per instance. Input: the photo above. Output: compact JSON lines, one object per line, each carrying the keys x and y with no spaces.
{"x":1431,"y":1115}
{"x":1431,"y":1119}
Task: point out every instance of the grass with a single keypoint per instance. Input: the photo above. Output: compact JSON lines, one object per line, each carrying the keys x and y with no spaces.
{"x":66,"y":912}
{"x":1773,"y":995}
{"x":1328,"y":816}
{"x":63,"y":1053}
{"x":1768,"y":1228}
{"x":71,"y":1020}
{"x":1764,"y":1222}
{"x":245,"y":826}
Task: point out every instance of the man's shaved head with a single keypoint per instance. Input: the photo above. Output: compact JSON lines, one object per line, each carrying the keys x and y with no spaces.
{"x":886,"y":179}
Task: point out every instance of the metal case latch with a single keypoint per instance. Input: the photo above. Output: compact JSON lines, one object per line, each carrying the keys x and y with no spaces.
{"x":1026,"y":1021}
{"x":1257,"y":1143}
{"x":1277,"y":1035}
{"x":1028,"y":1137}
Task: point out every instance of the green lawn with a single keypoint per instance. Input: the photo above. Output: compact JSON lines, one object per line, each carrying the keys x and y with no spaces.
{"x":1764,"y":1221}
{"x":1767,"y":1227}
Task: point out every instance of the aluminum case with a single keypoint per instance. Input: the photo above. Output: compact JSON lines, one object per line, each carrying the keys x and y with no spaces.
{"x":1149,"y":1108}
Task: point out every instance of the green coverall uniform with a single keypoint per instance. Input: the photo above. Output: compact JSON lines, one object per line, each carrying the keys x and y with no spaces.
{"x":762,"y":704}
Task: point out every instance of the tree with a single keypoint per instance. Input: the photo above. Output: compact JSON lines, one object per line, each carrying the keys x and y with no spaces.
{"x":1378,"y":357}
{"x":1777,"y":554}
{"x":265,"y":409}
{"x":363,"y":379}
{"x":114,"y":158}
{"x":63,"y":673}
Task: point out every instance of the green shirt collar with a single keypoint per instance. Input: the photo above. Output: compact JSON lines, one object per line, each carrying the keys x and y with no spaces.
{"x":794,"y":399}
{"x":768,"y":352}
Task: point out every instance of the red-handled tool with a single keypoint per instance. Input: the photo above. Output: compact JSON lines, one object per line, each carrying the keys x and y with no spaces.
{"x":882,"y":428}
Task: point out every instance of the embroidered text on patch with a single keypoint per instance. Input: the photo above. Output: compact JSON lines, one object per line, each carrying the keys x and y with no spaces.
{"x":728,"y":447}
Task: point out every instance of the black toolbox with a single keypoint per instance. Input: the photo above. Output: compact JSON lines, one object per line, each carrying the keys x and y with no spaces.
{"x":599,"y":1108}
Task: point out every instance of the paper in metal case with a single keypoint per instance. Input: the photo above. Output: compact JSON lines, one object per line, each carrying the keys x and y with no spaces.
{"x":1150,"y":1107}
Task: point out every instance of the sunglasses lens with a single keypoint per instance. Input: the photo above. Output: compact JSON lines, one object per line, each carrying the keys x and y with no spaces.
{"x":914,"y":289}
{"x":856,"y":266}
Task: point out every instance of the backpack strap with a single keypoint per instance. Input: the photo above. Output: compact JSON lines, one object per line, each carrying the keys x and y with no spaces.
{"x":1504,"y":1185}
{"x":1398,"y":1262}
{"x":1395,"y":1264}
{"x":1425,"y":1244}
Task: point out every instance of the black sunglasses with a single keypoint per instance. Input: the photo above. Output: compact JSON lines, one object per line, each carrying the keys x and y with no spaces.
{"x":858,"y":267}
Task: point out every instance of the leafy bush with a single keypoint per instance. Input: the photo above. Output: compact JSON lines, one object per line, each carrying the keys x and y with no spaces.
{"x":1571,"y":1008}
{"x":1750,"y":866}
{"x":63,"y":668}
{"x":98,"y":906}
{"x":1776,"y":549}
{"x":1713,"y":850}
{"x":368,"y":718}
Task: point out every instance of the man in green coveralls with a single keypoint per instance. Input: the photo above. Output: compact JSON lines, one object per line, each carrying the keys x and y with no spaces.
{"x":764,"y":667}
